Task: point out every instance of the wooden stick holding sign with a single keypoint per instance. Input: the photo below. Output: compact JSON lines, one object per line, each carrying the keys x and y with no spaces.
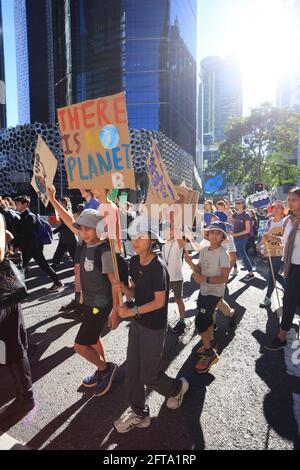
{"x":279,"y":310}
{"x":116,"y":268}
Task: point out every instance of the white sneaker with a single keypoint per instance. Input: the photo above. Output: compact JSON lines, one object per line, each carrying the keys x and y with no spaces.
{"x":174,"y":402}
{"x":235,"y":272}
{"x":131,"y":420}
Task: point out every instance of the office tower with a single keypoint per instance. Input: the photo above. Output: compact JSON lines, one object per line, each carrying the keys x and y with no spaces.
{"x":93,"y":48}
{"x":3,"y":121}
{"x":222,"y":101}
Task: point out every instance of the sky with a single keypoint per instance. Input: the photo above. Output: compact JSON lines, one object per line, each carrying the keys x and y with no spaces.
{"x":263,"y":34}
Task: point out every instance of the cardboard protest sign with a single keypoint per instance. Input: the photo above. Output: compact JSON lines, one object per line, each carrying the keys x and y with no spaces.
{"x":275,"y":248}
{"x":262,"y":227}
{"x":160,"y":182}
{"x":260,"y":200}
{"x":96,"y":143}
{"x":187,"y":197}
{"x":161,"y":189}
{"x":44,"y":169}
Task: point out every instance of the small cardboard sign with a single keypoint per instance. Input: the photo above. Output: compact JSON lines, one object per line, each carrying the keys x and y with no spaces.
{"x":187,"y":196}
{"x":44,"y":169}
{"x":96,"y":144}
{"x":275,"y":248}
{"x":260,"y":200}
{"x":161,"y":189}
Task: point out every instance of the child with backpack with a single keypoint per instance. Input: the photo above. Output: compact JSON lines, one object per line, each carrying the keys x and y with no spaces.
{"x":31,"y":235}
{"x":150,"y":290}
{"x":99,"y":301}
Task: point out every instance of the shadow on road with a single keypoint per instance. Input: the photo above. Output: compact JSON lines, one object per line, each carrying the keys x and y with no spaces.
{"x":278,"y":403}
{"x":92,"y":427}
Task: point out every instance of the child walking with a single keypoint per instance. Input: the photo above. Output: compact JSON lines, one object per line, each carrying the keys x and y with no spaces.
{"x":212,"y":274}
{"x":99,"y":302}
{"x":150,"y":290}
{"x":172,"y":255}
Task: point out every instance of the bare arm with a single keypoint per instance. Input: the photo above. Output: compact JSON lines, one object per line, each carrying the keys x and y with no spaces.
{"x":157,"y":303}
{"x":199,"y":278}
{"x":128,"y":291}
{"x":114,"y":318}
{"x":66,"y":217}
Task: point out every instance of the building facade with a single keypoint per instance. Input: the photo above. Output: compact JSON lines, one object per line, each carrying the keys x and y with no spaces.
{"x":222,"y":100}
{"x":93,"y":48}
{"x":3,"y":118}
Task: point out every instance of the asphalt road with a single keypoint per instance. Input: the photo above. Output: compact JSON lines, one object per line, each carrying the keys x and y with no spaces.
{"x":245,"y":402}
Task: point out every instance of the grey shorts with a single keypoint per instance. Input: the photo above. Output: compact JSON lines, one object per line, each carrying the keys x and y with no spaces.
{"x":177,"y":288}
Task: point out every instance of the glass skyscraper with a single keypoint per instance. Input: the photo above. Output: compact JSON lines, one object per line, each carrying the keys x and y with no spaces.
{"x":221,"y":101}
{"x":146,"y":48}
{"x":3,"y":120}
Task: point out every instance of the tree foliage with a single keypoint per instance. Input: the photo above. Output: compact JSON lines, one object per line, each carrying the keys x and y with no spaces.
{"x":260,"y":147}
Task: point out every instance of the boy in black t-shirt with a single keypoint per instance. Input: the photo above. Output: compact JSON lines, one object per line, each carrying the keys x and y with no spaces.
{"x":150,"y":289}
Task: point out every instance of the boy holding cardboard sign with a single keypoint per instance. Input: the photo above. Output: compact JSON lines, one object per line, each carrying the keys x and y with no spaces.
{"x":99,"y":301}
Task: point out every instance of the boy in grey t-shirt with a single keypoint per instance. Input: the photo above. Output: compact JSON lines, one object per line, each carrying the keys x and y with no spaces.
{"x":212,"y":274}
{"x":99,"y":300}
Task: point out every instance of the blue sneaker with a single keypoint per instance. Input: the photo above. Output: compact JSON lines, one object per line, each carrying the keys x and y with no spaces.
{"x":91,"y":380}
{"x":105,"y":380}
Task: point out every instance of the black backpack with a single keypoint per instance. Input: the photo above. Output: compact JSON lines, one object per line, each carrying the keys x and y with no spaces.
{"x":122,"y":265}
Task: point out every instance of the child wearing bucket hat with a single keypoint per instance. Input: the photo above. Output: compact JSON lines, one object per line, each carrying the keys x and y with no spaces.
{"x":212,"y":274}
{"x":99,"y":300}
{"x":150,"y":290}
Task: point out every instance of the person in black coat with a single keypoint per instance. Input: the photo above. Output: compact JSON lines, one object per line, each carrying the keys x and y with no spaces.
{"x":67,"y":240}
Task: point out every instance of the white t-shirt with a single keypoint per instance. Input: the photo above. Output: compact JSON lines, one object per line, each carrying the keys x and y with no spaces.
{"x":296,"y":250}
{"x":172,"y":257}
{"x":227,"y":244}
{"x":211,"y":263}
{"x":272,"y":224}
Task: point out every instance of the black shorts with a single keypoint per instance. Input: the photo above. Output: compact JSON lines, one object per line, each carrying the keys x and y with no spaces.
{"x":206,"y":305}
{"x":94,"y":319}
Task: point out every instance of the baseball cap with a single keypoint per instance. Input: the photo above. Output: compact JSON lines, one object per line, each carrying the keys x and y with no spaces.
{"x":143,"y":224}
{"x":221,"y":216}
{"x":88,"y":218}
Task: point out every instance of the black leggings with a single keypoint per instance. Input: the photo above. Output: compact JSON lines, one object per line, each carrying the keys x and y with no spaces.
{"x":291,"y":298}
{"x":61,"y":249}
{"x":12,"y":335}
{"x":39,"y":258}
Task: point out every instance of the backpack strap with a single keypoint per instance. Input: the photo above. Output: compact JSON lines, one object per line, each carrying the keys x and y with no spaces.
{"x":285,"y":223}
{"x":102,"y":248}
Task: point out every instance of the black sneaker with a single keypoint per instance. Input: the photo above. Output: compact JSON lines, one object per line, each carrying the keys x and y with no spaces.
{"x":276,"y":345}
{"x":56,"y":286}
{"x":233,"y":322}
{"x":105,"y":380}
{"x":179,"y":328}
{"x":249,"y":277}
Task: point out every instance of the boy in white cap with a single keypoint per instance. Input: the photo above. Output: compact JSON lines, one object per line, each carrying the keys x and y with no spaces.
{"x":212,"y":274}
